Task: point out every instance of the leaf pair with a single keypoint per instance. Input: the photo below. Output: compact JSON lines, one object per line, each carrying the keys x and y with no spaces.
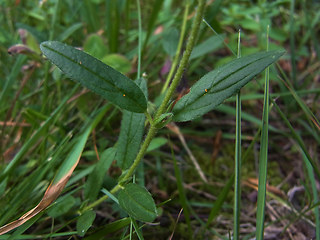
{"x":210,"y":91}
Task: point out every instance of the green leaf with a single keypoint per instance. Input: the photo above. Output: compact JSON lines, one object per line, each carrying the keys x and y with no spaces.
{"x":131,"y":132}
{"x":85,"y":222}
{"x":94,"y":45}
{"x":156,"y":143}
{"x":69,"y":31}
{"x":109,"y":228}
{"x":98,"y":77}
{"x":207,"y":46}
{"x":95,"y":179}
{"x":216,"y":86}
{"x":137,"y":202}
{"x":62,"y":207}
{"x":170,"y":41}
{"x":118,"y":62}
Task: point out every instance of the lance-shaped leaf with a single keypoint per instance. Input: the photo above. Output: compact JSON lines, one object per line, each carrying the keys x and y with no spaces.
{"x":131,"y":132}
{"x":138,"y":202}
{"x":95,"y":75}
{"x":61,"y":178}
{"x":95,"y":180}
{"x":216,"y":86}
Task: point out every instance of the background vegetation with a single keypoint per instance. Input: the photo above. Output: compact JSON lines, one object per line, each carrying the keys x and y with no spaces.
{"x":43,"y":114}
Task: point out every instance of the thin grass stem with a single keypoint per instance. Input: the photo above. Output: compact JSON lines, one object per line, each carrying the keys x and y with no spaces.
{"x":237,"y":170}
{"x":263,"y":159}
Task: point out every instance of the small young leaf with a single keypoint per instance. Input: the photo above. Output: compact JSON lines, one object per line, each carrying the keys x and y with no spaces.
{"x":95,"y":75}
{"x":163,"y":120}
{"x":216,"y":86}
{"x":84,"y":222}
{"x":137,"y":202}
{"x":156,"y":143}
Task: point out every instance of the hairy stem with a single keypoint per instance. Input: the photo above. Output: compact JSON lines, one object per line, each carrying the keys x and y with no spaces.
{"x":153,"y":130}
{"x":176,"y":58}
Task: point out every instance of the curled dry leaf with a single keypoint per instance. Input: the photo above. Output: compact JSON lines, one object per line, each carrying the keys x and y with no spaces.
{"x":50,"y":195}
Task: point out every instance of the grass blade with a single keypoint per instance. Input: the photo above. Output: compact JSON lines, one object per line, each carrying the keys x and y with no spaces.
{"x":182,"y":194}
{"x":109,"y":228}
{"x":35,"y":137}
{"x":312,"y":180}
{"x":263,"y":161}
{"x":237,"y":170}
{"x":298,"y":139}
{"x":60,"y":180}
{"x":220,"y":200}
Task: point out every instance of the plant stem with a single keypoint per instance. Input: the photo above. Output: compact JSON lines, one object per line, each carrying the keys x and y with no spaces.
{"x":176,"y":58}
{"x":140,"y":40}
{"x":153,"y":130}
{"x":185,"y":58}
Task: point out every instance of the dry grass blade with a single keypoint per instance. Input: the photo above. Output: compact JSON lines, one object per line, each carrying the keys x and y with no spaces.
{"x":174,"y":128}
{"x":175,"y":225}
{"x":50,"y":195}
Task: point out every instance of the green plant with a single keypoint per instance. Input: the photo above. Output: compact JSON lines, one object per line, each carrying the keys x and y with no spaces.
{"x":205,"y":95}
{"x":51,"y":122}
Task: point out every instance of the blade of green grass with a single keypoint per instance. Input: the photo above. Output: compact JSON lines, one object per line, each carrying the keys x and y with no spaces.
{"x":137,"y":229}
{"x":35,"y":137}
{"x":11,"y":78}
{"x":303,"y":106}
{"x":245,"y":116}
{"x":312,"y":180}
{"x":113,"y":23}
{"x":237,"y":166}
{"x":157,"y":6}
{"x":220,"y":200}
{"x":61,"y":178}
{"x":182,"y":194}
{"x":69,"y":31}
{"x":54,"y":19}
{"x":263,"y":160}
{"x":292,"y":44}
{"x":298,"y":139}
{"x":92,"y":19}
{"x":139,"y":39}
{"x":109,"y":228}
{"x":21,"y":192}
